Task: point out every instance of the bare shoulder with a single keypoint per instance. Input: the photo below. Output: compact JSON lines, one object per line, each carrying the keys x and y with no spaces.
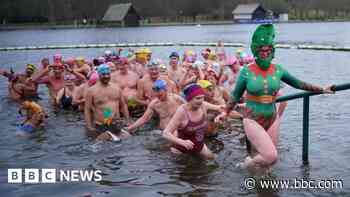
{"x":178,"y":98}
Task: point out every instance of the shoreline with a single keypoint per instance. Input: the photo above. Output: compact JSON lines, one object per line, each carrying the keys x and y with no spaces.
{"x":12,"y":27}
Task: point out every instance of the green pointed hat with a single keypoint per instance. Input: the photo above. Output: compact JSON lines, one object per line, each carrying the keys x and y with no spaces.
{"x":263,"y":35}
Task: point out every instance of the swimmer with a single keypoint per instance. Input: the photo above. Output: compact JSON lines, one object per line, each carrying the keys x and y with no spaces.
{"x":164,"y":105}
{"x":127,"y":81}
{"x":35,"y":117}
{"x":175,"y":70}
{"x":145,"y":92}
{"x":20,"y":86}
{"x":52,"y":77}
{"x":261,"y":80}
{"x":102,"y":103}
{"x":65,"y":95}
{"x":190,"y":122}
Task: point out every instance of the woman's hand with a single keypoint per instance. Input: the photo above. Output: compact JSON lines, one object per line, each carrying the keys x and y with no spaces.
{"x":188,"y":144}
{"x":220,"y":118}
{"x":328,"y":90}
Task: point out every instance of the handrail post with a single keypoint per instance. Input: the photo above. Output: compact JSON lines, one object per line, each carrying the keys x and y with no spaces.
{"x":306,"y":129}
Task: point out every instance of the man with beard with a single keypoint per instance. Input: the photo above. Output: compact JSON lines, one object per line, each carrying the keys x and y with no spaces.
{"x":20,"y":87}
{"x":102,"y":104}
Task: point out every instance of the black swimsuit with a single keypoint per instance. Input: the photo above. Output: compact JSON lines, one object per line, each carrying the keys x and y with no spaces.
{"x":66,"y":101}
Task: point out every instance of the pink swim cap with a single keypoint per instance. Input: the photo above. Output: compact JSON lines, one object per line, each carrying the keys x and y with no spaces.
{"x":93,"y":78}
{"x":248,"y":59}
{"x":231,"y":60}
{"x":57,"y":58}
{"x":70,"y":61}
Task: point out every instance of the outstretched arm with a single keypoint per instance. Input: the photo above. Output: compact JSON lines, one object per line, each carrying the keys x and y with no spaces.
{"x":299,"y":84}
{"x":143,"y":119}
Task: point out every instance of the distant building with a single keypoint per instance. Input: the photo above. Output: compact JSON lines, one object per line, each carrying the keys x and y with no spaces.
{"x":256,"y":13}
{"x":249,"y":13}
{"x":122,"y":15}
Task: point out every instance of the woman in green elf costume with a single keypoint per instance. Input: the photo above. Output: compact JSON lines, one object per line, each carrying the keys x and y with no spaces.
{"x":262,"y":80}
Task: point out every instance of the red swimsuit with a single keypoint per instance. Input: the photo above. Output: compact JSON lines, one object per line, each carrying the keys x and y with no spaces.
{"x":195,"y":132}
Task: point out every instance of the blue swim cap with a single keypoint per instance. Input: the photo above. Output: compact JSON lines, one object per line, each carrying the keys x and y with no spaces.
{"x":159,"y":85}
{"x":103,"y":69}
{"x":27,"y":128}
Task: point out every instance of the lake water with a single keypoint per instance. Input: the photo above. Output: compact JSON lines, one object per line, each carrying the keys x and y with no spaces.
{"x":142,"y":165}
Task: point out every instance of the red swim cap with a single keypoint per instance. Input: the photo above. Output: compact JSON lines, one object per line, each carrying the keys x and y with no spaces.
{"x":192,"y":91}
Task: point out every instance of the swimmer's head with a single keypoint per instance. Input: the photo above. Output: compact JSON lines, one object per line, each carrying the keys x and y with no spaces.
{"x":205,"y":53}
{"x":30,"y":69}
{"x":212,"y":56}
{"x":104,"y":73}
{"x":108,"y":53}
{"x":230,"y":61}
{"x":197,"y":65}
{"x":153,"y":68}
{"x":174,"y":59}
{"x":57,"y":59}
{"x":45,"y":62}
{"x":80,"y":61}
{"x":160,"y":89}
{"x":112,"y":66}
{"x":213,"y":74}
{"x":159,"y":85}
{"x":122,"y":64}
{"x":70,"y":61}
{"x":93,"y":77}
{"x":194,"y":94}
{"x":207,"y":86}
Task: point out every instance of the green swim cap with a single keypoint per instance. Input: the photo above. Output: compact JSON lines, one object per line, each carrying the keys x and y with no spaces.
{"x":264,"y":35}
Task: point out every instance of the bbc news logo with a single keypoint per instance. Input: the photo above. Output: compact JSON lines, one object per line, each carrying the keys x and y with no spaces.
{"x":31,"y":175}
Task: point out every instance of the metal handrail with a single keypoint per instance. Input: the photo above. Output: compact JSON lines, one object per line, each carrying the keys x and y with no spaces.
{"x":306,"y":109}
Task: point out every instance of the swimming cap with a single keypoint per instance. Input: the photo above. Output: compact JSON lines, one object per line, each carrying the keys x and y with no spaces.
{"x":108,"y":53}
{"x":93,"y":79}
{"x":70,"y":61}
{"x":123,"y":61}
{"x":101,"y":60}
{"x":103,"y":69}
{"x":248,"y":59}
{"x":159,"y":85}
{"x":212,"y":55}
{"x":197,"y":64}
{"x":80,"y":59}
{"x":231,"y":61}
{"x":57,"y":58}
{"x":28,"y":128}
{"x":31,"y":67}
{"x":153,"y":64}
{"x":192,"y":90}
{"x":204,"y":84}
{"x":174,"y":54}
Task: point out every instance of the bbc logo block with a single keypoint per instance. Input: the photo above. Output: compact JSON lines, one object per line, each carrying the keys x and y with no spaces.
{"x":31,"y":175}
{"x":14,"y":175}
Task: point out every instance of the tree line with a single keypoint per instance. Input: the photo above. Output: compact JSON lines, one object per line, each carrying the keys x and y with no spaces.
{"x":42,"y":11}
